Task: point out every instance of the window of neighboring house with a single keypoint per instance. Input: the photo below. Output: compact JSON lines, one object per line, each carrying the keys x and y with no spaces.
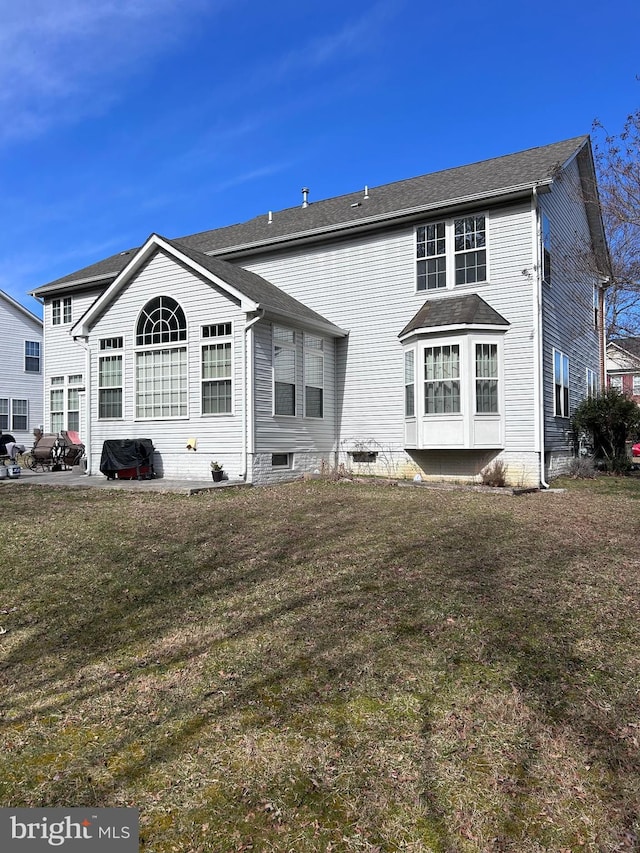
{"x":32,"y":356}
{"x":217,"y":370}
{"x":560,"y":384}
{"x":409,"y":384}
{"x":110,"y":386}
{"x":313,"y":376}
{"x":486,"y":378}
{"x":57,"y":408}
{"x":284,"y":371}
{"x":592,"y":383}
{"x":61,"y":311}
{"x":442,"y":379}
{"x":19,"y":415}
{"x":161,"y":371}
{"x":451,"y":252}
{"x":615,"y":382}
{"x":4,"y":414}
{"x":545,"y":227}
{"x":635,"y":390}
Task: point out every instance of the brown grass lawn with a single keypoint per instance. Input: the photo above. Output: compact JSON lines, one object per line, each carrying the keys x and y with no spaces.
{"x":327,"y":666}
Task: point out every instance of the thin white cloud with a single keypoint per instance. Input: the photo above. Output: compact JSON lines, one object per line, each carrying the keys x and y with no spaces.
{"x":62,"y":60}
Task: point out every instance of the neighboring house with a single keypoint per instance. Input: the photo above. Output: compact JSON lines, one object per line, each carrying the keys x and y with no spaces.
{"x":427,"y":326}
{"x":623,"y":366}
{"x":21,"y":373}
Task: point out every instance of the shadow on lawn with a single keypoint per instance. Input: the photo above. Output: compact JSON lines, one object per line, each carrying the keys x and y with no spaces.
{"x":308,"y":595}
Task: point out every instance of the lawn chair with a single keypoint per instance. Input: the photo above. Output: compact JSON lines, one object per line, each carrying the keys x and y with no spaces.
{"x":71,"y":448}
{"x":45,"y":455}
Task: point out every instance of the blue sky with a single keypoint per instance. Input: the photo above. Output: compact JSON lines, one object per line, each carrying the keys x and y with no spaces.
{"x":125,"y":117}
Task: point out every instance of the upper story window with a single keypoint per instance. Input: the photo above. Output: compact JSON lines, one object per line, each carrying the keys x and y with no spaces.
{"x":61,"y":311}
{"x":32,"y":356}
{"x":161,"y":321}
{"x":452,"y":252}
{"x":545,"y":227}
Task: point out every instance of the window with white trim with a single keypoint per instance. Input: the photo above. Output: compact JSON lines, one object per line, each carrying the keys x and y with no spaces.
{"x":19,"y":415}
{"x":284,"y":371}
{"x":4,"y":414}
{"x":73,"y":409}
{"x":32,"y":356}
{"x":560,"y":384}
{"x":409,"y":383}
{"x":56,"y":415}
{"x":161,"y":362}
{"x":216,"y":370}
{"x":545,"y":235}
{"x":451,"y":252}
{"x":313,"y":376}
{"x":61,"y":311}
{"x":615,"y":382}
{"x":110,"y":386}
{"x":635,"y":387}
{"x":487,"y":379}
{"x":442,"y":379}
{"x":592,"y":383}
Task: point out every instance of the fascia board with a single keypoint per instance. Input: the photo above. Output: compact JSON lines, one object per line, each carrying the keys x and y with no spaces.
{"x":425,"y":331}
{"x":309,"y":323}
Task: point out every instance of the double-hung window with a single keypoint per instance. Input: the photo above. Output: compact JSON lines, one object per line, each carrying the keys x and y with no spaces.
{"x":592,"y":383}
{"x":284,"y":371}
{"x":486,"y":379}
{"x":560,"y":384}
{"x":56,"y":403}
{"x":161,"y":360}
{"x":313,"y":376}
{"x":32,"y":356}
{"x":409,"y":383}
{"x":452,"y":252}
{"x":216,"y":369}
{"x":110,"y":379}
{"x":442,"y":379}
{"x":14,"y":415}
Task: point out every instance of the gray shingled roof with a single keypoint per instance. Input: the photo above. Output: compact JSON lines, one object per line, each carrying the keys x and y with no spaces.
{"x":253,"y":286}
{"x":469,"y":310}
{"x":500,"y":175}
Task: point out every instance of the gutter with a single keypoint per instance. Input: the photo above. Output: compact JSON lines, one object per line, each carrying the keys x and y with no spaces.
{"x":247,"y":375}
{"x":82,"y":342}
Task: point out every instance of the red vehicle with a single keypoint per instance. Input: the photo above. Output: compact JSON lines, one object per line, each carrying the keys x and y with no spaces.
{"x":635,"y":450}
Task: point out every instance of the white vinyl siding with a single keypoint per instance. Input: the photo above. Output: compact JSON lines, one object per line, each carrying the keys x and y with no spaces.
{"x":21,"y":369}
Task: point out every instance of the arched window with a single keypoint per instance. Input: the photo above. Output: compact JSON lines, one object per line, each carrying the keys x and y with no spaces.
{"x":161,"y":321}
{"x":161,"y":366}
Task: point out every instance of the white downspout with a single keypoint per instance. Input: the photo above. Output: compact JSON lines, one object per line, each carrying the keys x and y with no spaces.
{"x":247,"y":375}
{"x":87,"y":408}
{"x":538,"y":373}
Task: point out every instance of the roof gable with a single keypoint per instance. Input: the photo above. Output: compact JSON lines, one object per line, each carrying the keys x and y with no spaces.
{"x":254,"y":293}
{"x":16,"y":306}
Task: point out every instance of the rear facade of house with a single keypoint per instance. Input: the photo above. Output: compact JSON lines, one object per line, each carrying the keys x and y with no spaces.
{"x":426,"y":327}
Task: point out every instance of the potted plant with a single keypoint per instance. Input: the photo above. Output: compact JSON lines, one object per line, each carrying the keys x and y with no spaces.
{"x":216,"y":472}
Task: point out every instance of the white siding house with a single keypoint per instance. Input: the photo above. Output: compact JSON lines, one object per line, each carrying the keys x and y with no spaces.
{"x":21,"y":370}
{"x":429,"y":326}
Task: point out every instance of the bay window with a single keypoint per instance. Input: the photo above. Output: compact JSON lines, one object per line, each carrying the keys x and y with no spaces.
{"x":486,"y":378}
{"x":441,"y":379}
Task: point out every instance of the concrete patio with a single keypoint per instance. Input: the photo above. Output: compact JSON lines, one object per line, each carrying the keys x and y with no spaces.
{"x":73,"y":479}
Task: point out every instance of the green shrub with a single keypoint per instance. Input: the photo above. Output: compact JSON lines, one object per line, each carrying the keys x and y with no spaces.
{"x":609,"y":419}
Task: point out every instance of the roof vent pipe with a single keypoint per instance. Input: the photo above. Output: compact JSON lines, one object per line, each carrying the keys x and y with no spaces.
{"x":270,"y":220}
{"x":366,"y":191}
{"x":305,"y":196}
